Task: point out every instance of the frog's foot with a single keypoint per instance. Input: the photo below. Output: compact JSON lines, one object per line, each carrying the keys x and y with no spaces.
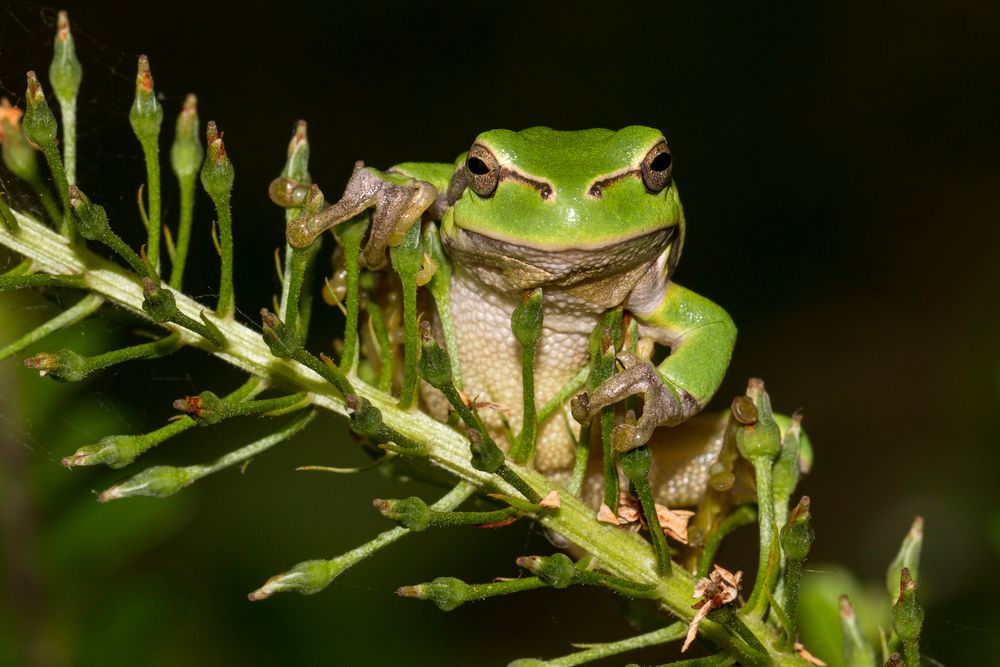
{"x":399,"y":201}
{"x":661,"y":403}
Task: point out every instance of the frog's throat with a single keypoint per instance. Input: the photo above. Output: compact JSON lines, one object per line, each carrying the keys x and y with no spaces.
{"x":510,"y":267}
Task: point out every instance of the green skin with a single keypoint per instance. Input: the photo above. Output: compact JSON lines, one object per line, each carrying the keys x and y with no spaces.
{"x":592,"y":219}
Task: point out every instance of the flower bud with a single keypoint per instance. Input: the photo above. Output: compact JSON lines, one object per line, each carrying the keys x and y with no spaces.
{"x":297,"y":164}
{"x":186,"y":153}
{"x":797,"y":535}
{"x":116,"y":451}
{"x":65,"y":72}
{"x":556,"y":570}
{"x":526,"y":320}
{"x":64,"y":365}
{"x":435,"y":364}
{"x":159,"y":303}
{"x":146,"y":115}
{"x":412,"y":513}
{"x":446,"y":592}
{"x":217,"y":173}
{"x":158,"y":481}
{"x":908,"y":557}
{"x":907,"y":614}
{"x":786,"y":468}
{"x":486,"y":456}
{"x":90,"y":219}
{"x":308,"y":577}
{"x":760,"y":439}
{"x":279,"y":338}
{"x":636,"y":463}
{"x":205,"y":408}
{"x":39,"y":123}
{"x":857,"y":650}
{"x":366,"y":420}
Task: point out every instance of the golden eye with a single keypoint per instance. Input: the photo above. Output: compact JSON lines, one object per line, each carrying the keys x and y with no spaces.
{"x":482,"y":170}
{"x":657,"y":167}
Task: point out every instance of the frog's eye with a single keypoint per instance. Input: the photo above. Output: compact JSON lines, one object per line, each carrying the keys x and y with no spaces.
{"x":656,"y":167}
{"x":483,"y":170}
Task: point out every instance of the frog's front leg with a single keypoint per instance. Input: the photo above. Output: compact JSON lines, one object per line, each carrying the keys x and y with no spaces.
{"x":398,"y":200}
{"x":700,"y":335}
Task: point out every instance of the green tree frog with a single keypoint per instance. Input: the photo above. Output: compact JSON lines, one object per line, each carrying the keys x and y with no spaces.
{"x":592,"y":217}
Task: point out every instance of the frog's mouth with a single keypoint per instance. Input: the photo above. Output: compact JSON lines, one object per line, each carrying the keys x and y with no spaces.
{"x":524,"y":267}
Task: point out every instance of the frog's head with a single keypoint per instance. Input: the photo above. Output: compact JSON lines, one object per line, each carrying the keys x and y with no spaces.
{"x":545,"y":190}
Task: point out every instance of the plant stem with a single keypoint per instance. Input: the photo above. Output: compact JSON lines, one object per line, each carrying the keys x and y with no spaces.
{"x":81,"y":310}
{"x":39,"y":280}
{"x":187,"y":187}
{"x":741,"y":516}
{"x":593,"y":652}
{"x":620,"y":553}
{"x":333,"y":567}
{"x":350,"y":234}
{"x":757,"y":602}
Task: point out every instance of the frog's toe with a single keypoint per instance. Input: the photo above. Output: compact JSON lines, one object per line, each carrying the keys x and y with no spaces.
{"x":638,"y":376}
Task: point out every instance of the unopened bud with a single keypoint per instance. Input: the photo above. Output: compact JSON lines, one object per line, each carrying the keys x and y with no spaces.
{"x":435,"y":365}
{"x":908,"y":557}
{"x":158,"y":481}
{"x":279,"y":338}
{"x":89,"y":218}
{"x":186,"y":153}
{"x":65,"y":72}
{"x":797,"y":535}
{"x":636,"y":463}
{"x":907,"y":614}
{"x":366,"y":420}
{"x":115,"y":451}
{"x":297,"y":165}
{"x":556,"y":570}
{"x":446,"y":592}
{"x":412,"y":513}
{"x":486,"y":456}
{"x":39,"y":123}
{"x":159,"y":303}
{"x":217,"y":173}
{"x":65,"y":365}
{"x":206,"y":408}
{"x":761,"y":437}
{"x":146,"y":115}
{"x":306,"y":578}
{"x":857,"y":650}
{"x":526,"y":321}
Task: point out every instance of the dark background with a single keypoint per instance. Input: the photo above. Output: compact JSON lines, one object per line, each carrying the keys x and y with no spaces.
{"x":838,"y":166}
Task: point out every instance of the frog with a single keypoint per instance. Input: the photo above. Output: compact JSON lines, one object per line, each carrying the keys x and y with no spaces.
{"x":591,"y":217}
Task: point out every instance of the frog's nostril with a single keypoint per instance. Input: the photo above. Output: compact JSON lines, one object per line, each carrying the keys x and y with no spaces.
{"x":596,"y":191}
{"x":545,"y":191}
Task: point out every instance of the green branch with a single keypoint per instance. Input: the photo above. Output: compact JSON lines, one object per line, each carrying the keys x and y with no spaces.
{"x":620,"y":553}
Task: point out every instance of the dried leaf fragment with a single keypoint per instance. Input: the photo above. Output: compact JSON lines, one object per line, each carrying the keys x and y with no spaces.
{"x":605,"y":515}
{"x":720,"y":588}
{"x":807,"y":656}
{"x":551,"y":500}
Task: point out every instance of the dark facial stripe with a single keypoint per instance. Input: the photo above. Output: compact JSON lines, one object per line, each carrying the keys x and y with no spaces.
{"x":544,"y":188}
{"x":597,"y":187}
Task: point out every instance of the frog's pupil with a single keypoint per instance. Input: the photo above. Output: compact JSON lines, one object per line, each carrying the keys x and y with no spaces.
{"x":478,"y":167}
{"x":661,"y":162}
